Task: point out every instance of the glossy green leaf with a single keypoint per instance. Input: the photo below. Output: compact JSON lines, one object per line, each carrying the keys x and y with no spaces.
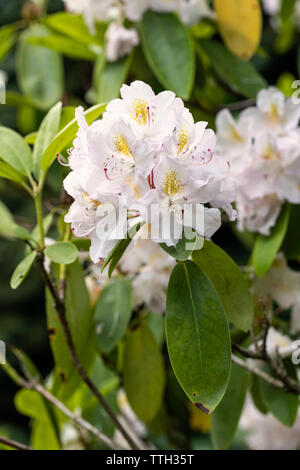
{"x":266,"y":248}
{"x":226,"y":417}
{"x":22,"y":270}
{"x":240,"y":76}
{"x":109,"y":77}
{"x":67,"y":135}
{"x":169,"y":52}
{"x":112,"y":313}
{"x":197,"y":336}
{"x":14,"y":151}
{"x":229,"y":282}
{"x":62,"y":252}
{"x":39,"y":70}
{"x":46,"y":134}
{"x":143,"y":372}
{"x":283,"y":405}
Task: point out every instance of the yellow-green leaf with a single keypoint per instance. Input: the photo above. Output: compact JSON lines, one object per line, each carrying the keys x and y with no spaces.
{"x":240,"y":24}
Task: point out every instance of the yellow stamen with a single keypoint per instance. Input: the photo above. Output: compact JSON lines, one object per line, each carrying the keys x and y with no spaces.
{"x":172,"y":184}
{"x":90,"y":200}
{"x":141,"y":108}
{"x":121,"y":146}
{"x":183,"y":140}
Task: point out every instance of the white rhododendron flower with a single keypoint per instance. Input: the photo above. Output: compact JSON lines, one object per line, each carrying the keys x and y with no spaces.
{"x":263,"y":149}
{"x":120,"y":41}
{"x":272,"y":7}
{"x":145,"y":161}
{"x":93,"y":10}
{"x":264,"y":432}
{"x":190,"y":11}
{"x":282,"y":284}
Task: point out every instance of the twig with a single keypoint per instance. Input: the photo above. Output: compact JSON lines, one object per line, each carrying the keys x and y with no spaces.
{"x":32,"y":384}
{"x":258,"y":372}
{"x":14,"y":444}
{"x":247,"y":353}
{"x":61,"y":312}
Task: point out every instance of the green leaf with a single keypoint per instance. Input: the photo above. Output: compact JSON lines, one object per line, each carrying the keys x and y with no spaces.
{"x":8,"y":172}
{"x":287,"y":9}
{"x":80,"y":319}
{"x":39,"y":70}
{"x":229,"y":282}
{"x":197,"y":336}
{"x":67,"y":135}
{"x":257,"y":395}
{"x":226,"y":417}
{"x":65,"y":46}
{"x":46,"y":134}
{"x":22,"y":270}
{"x":75,"y":27}
{"x":7,"y":39}
{"x":143,"y":372}
{"x":266,"y":248}
{"x":240,"y":76}
{"x":31,"y":138}
{"x":62,"y":252}
{"x":169,"y":52}
{"x":119,"y":249}
{"x":14,"y":151}
{"x":112,"y":313}
{"x":184,"y":248}
{"x":283,"y":405}
{"x":30,"y":403}
{"x":109,"y":77}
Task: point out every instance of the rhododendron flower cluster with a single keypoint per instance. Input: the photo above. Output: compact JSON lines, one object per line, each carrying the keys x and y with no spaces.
{"x":145,"y":162}
{"x":263,"y":148}
{"x":120,"y":40}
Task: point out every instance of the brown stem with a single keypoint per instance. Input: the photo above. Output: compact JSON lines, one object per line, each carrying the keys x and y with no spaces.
{"x":14,"y":444}
{"x":61,"y":312}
